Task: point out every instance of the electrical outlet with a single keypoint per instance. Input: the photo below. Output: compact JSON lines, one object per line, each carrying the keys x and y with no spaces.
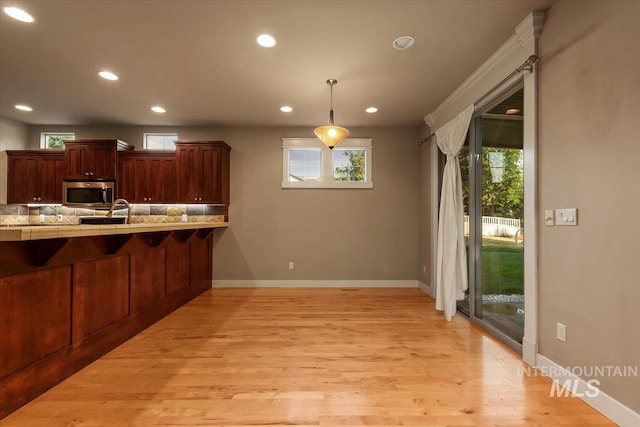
{"x":184,"y":218}
{"x":291,"y":265}
{"x":41,"y":217}
{"x":561,"y":332}
{"x":59,"y":217}
{"x":424,"y":268}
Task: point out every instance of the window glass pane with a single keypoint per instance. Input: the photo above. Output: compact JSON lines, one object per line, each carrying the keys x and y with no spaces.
{"x":305,"y":165}
{"x":55,"y":140}
{"x":348,"y":164}
{"x":160,"y":141}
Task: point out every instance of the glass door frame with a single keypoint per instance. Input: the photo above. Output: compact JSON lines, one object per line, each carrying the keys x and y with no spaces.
{"x":475,"y":214}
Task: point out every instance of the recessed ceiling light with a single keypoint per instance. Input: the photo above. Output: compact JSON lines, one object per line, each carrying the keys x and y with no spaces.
{"x":18,"y":14}
{"x":108,"y":75}
{"x":403,"y":42}
{"x":371,"y":110}
{"x":286,"y":109}
{"x":23,"y":107}
{"x":266,"y":40}
{"x":513,"y":111}
{"x":158,"y":109}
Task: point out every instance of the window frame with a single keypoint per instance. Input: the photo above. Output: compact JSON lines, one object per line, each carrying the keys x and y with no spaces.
{"x":44,"y":135}
{"x":327,"y":168}
{"x":144,"y":140}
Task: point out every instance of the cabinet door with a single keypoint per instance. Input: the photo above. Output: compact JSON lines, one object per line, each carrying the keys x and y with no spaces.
{"x":95,"y":283}
{"x":96,"y":160}
{"x":147,"y":279}
{"x":210,"y":183}
{"x":160,"y":180}
{"x":178,"y":267}
{"x":102,"y":161}
{"x":201,"y":263}
{"x":23,"y":179}
{"x":76,"y":161}
{"x":51,"y":173}
{"x":126,"y":181}
{"x":35,"y":320}
{"x":203,"y":171}
{"x":190,"y":173}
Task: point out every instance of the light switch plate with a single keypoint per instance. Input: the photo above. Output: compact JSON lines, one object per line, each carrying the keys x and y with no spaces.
{"x":567,"y":216}
{"x":548,"y":217}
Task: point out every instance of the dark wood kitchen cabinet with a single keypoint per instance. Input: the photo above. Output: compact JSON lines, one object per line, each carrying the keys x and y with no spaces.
{"x":203,"y":171}
{"x":147,"y":177}
{"x":65,"y":302}
{"x":94,"y":159}
{"x":36,"y":317}
{"x":34,"y":176}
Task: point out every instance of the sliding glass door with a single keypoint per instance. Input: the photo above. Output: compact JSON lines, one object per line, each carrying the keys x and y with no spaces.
{"x":491,"y":164}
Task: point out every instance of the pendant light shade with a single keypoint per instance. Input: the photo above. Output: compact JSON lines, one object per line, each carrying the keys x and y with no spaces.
{"x":331,"y":135}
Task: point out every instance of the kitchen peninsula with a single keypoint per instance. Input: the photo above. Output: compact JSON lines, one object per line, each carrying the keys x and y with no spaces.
{"x":69,"y":294}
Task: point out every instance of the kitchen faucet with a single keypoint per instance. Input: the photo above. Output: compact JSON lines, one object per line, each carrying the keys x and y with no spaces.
{"x":113,"y":205}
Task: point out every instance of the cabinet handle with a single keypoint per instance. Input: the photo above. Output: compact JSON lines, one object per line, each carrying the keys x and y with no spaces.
{"x":86,"y":173}
{"x":91,"y":173}
{"x":39,"y":198}
{"x":35,"y":199}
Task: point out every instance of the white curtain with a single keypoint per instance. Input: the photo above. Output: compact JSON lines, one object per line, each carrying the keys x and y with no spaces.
{"x":451,"y":258}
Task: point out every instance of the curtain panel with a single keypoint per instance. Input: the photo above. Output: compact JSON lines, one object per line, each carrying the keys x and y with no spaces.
{"x":451,"y":257}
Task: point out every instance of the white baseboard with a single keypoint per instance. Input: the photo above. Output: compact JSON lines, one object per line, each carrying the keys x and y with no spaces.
{"x":315,"y":284}
{"x":602,"y":402}
{"x":426,"y":289}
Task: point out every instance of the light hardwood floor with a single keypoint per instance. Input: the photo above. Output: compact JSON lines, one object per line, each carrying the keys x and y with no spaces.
{"x":328,"y":357}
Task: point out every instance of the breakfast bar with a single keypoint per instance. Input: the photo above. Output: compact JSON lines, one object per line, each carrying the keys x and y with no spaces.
{"x":69,"y":294}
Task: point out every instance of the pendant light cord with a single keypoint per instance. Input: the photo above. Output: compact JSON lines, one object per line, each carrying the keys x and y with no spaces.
{"x":331,"y":104}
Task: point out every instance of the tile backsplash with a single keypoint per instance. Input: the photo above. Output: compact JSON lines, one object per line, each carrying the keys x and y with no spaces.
{"x":62,"y":215}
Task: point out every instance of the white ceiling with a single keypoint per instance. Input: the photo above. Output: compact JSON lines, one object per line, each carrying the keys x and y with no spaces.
{"x":199,"y":59}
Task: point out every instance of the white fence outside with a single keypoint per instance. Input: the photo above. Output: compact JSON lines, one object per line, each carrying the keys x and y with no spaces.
{"x":496,"y":226}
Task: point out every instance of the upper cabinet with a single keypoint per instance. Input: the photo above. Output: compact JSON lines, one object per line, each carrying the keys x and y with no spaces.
{"x":203,"y":172}
{"x":197,"y":172}
{"x":34,"y":176}
{"x":147,"y":176}
{"x":92,"y":159}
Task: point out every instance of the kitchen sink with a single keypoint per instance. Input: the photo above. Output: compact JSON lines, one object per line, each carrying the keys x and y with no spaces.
{"x":102,"y":220}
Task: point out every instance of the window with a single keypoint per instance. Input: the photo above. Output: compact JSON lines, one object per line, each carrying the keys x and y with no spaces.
{"x":160,"y":141}
{"x":307,"y":163}
{"x":54,"y":140}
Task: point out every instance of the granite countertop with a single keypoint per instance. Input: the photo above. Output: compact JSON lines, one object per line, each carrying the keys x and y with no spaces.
{"x":18,"y":233}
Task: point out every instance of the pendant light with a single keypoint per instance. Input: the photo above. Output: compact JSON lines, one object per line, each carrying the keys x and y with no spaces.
{"x":331,"y":135}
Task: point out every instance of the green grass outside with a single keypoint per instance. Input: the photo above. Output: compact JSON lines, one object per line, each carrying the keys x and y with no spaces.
{"x":502,"y":268}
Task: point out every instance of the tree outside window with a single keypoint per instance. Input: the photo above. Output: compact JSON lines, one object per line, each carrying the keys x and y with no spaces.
{"x":55,"y":140}
{"x":348,"y":165}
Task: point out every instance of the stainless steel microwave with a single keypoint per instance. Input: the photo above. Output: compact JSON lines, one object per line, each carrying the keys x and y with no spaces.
{"x":88,"y":194}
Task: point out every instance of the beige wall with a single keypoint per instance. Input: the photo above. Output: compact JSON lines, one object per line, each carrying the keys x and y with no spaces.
{"x":425,"y":262}
{"x":589,"y":152}
{"x":13,"y":134}
{"x":330,"y":234}
{"x":131,"y":134}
